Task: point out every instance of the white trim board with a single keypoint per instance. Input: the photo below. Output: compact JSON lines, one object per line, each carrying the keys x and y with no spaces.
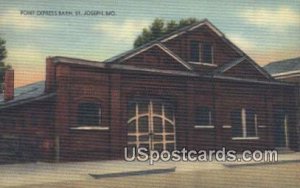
{"x":257,"y":67}
{"x":166,"y":50}
{"x":262,"y":126}
{"x":205,"y":64}
{"x":98,"y":128}
{"x":204,"y":126}
{"x":226,"y":126}
{"x":286,"y":73}
{"x":245,"y":138}
{"x":213,"y":28}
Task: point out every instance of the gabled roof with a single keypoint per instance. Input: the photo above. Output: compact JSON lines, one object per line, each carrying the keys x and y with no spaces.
{"x":117,"y":62}
{"x":164,"y":49}
{"x":123,"y":67}
{"x":24,"y":94}
{"x":205,"y":22}
{"x":228,"y":66}
{"x":159,"y":42}
{"x":283,"y":66}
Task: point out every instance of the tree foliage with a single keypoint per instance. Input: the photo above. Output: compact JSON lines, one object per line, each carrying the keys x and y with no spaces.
{"x":159,"y":27}
{"x":3,"y":66}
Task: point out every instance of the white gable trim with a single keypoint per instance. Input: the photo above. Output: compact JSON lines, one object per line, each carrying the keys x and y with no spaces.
{"x":174,"y":56}
{"x":193,"y":28}
{"x":210,"y":26}
{"x":214,"y":29}
{"x":138,"y":52}
{"x":166,"y":50}
{"x":252,"y":63}
{"x":173,"y":36}
{"x":260,"y":69}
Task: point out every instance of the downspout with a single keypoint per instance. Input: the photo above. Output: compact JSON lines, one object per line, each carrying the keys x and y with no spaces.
{"x":56,"y":133}
{"x":108,"y":66}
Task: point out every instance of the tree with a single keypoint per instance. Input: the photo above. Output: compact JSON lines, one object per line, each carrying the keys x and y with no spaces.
{"x":159,"y":28}
{"x":3,"y":66}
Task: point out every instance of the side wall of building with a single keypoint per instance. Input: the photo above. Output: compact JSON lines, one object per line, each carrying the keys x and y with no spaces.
{"x":113,"y":90}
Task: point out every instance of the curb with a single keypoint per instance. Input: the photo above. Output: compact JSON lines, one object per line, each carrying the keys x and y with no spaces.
{"x":134,"y":173}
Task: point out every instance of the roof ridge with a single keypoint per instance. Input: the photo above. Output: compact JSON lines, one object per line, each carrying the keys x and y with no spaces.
{"x":109,"y":60}
{"x":278,"y":61}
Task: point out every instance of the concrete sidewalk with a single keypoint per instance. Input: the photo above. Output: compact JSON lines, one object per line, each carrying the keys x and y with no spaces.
{"x":282,"y":158}
{"x":40,"y":173}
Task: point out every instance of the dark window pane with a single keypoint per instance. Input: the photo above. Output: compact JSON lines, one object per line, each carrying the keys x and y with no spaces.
{"x":159,"y":147}
{"x":169,"y":137}
{"x":236,"y":123}
{"x":194,"y":51}
{"x":206,"y":53}
{"x":169,"y":128}
{"x":131,"y":127}
{"x":250,"y":122}
{"x":88,"y":114}
{"x":143,"y":124}
{"x":203,"y":116}
{"x":144,"y":138}
{"x":158,"y":138}
{"x":131,"y":138}
{"x":157,"y":125}
{"x":170,"y":147}
{"x":169,"y":111}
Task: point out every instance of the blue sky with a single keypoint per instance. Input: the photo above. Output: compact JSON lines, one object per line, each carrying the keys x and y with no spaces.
{"x":266,"y":30}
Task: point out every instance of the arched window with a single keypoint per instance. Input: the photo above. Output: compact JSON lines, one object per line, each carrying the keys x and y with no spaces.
{"x":88,"y":114}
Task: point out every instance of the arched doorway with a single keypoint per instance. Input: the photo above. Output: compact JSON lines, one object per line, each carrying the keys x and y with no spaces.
{"x":151,"y":125}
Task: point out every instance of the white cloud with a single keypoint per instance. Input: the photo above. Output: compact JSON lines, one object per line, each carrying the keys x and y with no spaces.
{"x":243,"y":43}
{"x":126,"y":31}
{"x":28,"y":63}
{"x":278,"y":19}
{"x":25,"y":57}
{"x":13,"y":18}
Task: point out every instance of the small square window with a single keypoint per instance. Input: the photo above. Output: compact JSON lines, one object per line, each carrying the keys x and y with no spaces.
{"x":203,"y":116}
{"x":89,"y":114}
{"x":201,"y":52}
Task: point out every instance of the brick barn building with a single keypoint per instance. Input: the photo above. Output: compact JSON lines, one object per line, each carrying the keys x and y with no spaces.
{"x":192,"y":88}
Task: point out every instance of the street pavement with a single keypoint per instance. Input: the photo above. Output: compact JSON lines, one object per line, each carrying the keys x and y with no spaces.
{"x":41,"y":173}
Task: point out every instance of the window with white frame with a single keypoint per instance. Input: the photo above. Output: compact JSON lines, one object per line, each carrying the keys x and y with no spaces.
{"x":88,"y":114}
{"x":203,"y":116}
{"x":244,"y":123}
{"x":201,"y":52}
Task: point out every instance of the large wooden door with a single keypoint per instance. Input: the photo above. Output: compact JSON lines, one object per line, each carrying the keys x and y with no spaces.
{"x":151,"y":125}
